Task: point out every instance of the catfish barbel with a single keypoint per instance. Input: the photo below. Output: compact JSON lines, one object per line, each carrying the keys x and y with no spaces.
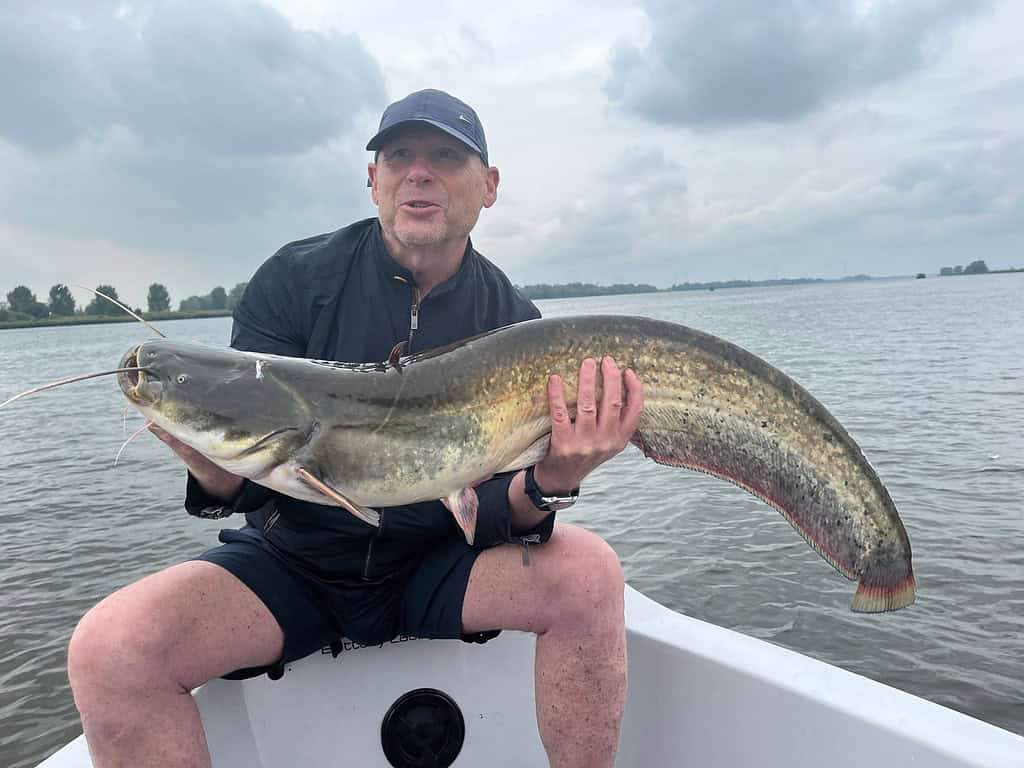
{"x":432,"y":425}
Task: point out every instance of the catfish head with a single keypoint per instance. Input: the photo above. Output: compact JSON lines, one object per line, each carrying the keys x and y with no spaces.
{"x":224,"y":403}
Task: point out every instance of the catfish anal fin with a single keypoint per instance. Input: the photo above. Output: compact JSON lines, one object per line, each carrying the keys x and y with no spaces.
{"x":367,"y":515}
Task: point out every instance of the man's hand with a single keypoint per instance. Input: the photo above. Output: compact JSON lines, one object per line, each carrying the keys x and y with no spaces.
{"x":599,"y":432}
{"x":215,"y":481}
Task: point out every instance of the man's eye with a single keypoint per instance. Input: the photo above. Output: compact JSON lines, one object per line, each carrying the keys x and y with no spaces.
{"x":397,"y":154}
{"x":447,"y":155}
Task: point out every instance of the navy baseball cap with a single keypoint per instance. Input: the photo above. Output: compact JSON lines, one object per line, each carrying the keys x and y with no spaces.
{"x":436,"y":108}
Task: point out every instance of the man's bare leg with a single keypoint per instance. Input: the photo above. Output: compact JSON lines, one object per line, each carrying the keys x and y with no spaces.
{"x":135,"y":657}
{"x":571,"y":596}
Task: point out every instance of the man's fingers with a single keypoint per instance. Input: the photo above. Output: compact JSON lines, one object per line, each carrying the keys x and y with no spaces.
{"x":164,"y":436}
{"x":634,"y":404}
{"x":611,"y":395}
{"x":171,"y":441}
{"x":586,"y":399}
{"x":561,"y":426}
{"x":160,"y":433}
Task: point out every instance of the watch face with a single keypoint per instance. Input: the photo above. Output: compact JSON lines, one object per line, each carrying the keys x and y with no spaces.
{"x":555,"y":503}
{"x":547,"y":503}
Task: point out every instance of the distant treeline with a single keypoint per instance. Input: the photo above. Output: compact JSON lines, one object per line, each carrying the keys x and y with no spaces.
{"x":575,"y":290}
{"x":23,"y":308}
{"x":978,"y":267}
{"x":572,"y":290}
{"x":80,"y":318}
{"x":715,"y":285}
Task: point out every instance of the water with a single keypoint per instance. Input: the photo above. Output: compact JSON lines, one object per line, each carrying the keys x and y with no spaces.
{"x":927,"y":375}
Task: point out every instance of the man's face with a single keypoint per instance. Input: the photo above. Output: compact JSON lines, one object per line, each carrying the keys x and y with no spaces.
{"x":429,"y":187}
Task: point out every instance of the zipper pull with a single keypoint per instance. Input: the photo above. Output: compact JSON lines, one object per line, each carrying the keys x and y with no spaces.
{"x":414,"y":313}
{"x":526,"y":541}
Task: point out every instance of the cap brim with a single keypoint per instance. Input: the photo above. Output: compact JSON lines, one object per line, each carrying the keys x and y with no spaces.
{"x":374,"y":144}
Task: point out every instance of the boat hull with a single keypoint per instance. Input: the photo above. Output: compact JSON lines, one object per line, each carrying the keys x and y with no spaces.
{"x":698,"y":695}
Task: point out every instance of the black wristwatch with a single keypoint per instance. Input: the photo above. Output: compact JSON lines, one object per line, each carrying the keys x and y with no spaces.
{"x":541,"y":500}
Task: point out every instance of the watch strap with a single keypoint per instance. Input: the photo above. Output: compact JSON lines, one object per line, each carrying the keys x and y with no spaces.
{"x":545,"y":501}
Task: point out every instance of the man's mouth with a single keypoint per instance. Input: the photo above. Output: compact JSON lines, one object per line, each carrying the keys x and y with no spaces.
{"x":419,"y":204}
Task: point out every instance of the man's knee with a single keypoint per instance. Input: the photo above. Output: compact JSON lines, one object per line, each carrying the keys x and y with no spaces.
{"x":111,"y":650}
{"x":589,"y":583}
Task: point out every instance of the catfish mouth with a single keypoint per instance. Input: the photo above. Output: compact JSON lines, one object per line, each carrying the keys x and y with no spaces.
{"x":130,"y":360}
{"x":136,"y":385}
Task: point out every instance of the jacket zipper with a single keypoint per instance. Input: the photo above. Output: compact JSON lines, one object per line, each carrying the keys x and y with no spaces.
{"x":414,"y":317}
{"x":414,"y":312}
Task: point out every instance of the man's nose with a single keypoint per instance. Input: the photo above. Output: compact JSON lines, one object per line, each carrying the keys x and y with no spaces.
{"x":419,"y":170}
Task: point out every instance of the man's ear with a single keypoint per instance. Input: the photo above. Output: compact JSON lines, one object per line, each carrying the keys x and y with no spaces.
{"x":371,"y":180}
{"x":491,"y":195}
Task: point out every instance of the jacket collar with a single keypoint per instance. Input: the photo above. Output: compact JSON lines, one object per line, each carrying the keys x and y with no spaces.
{"x":391,"y":269}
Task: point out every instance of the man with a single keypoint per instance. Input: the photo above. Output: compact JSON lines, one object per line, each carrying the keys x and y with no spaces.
{"x":299,"y":575}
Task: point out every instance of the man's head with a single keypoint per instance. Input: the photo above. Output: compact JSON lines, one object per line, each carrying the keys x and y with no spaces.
{"x":430,"y":176}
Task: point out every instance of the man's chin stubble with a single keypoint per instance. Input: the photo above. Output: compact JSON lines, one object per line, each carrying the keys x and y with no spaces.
{"x":419,"y":239}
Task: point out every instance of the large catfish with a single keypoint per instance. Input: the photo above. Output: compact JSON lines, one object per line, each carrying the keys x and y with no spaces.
{"x":431,"y":425}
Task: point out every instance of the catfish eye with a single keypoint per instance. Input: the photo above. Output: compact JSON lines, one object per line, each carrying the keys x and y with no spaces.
{"x":182,"y":378}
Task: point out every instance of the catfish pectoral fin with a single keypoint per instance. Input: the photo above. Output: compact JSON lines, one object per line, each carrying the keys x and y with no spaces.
{"x":395,"y":356}
{"x":463,"y":505}
{"x":365,"y":514}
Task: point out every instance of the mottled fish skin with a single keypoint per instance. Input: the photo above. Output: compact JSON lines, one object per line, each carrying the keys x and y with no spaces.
{"x":442,"y":420}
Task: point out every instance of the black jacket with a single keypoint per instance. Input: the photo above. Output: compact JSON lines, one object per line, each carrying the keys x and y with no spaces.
{"x":341,"y":296}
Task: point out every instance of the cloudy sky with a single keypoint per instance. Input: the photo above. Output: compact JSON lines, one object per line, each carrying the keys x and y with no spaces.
{"x":656,"y":141}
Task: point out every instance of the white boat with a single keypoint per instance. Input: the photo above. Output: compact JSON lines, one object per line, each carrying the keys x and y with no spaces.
{"x":699,"y":695}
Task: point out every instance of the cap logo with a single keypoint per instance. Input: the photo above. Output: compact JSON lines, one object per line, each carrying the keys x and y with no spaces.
{"x":466,"y":119}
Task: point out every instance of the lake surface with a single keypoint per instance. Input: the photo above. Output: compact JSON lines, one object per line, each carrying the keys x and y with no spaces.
{"x":927,"y":375}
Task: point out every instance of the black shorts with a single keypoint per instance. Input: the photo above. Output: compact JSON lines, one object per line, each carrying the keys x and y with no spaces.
{"x":422,"y":600}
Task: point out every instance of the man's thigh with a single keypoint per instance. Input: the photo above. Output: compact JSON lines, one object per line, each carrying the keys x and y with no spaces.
{"x":194,"y":621}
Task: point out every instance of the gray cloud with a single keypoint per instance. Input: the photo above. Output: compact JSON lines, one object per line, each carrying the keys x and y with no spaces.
{"x":937,"y":207}
{"x":1008,"y":94}
{"x":625,"y":225}
{"x":217,"y":135}
{"x":980,"y":182}
{"x":231,"y":79}
{"x":737,"y":61}
{"x":52,"y":92}
{"x":244,"y":81}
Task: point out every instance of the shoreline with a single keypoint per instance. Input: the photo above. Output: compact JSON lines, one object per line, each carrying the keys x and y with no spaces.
{"x":66,"y":320}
